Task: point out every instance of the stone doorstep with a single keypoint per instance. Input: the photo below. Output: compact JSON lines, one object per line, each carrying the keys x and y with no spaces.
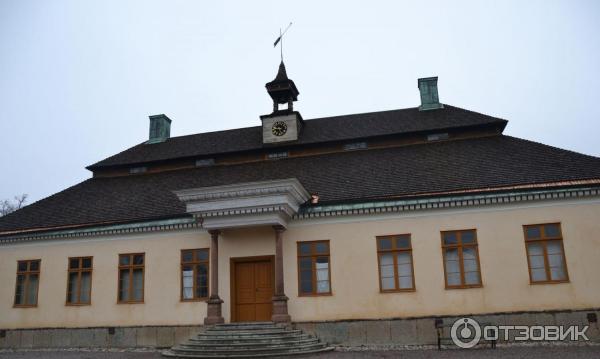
{"x":168,"y":353}
{"x":252,"y":340}
{"x":244,"y":347}
{"x":231,"y":341}
{"x":245,"y":328}
{"x":242,"y":335}
{"x":265,"y":349}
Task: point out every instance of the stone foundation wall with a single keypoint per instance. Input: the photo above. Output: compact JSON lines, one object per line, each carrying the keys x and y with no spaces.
{"x":121,"y":337}
{"x":350,"y":333}
{"x":422,"y":331}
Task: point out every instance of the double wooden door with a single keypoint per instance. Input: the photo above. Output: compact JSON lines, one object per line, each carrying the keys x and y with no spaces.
{"x":253,"y":290}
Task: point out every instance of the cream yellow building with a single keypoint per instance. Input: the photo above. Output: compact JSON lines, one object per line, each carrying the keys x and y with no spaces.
{"x":341,"y":226}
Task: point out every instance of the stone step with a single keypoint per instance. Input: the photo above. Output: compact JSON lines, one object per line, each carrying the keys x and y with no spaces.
{"x":170,"y":353}
{"x":243,"y":324}
{"x":262,"y":348}
{"x":246,"y":330}
{"x":265,"y":344}
{"x":259,"y":350}
{"x":251,"y":333}
{"x":248,"y":340}
{"x":244,"y":327}
{"x":262,"y":339}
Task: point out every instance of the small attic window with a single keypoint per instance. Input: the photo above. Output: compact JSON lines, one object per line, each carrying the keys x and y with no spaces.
{"x":136,"y":170}
{"x":278,"y":155}
{"x":355,"y":146}
{"x":437,"y":136}
{"x":205,"y":162}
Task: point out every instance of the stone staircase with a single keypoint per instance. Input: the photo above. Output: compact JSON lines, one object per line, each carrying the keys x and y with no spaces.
{"x":248,"y":340}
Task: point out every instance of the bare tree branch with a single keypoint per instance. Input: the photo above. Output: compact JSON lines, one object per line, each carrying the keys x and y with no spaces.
{"x":7,"y":206}
{"x":20,"y":200}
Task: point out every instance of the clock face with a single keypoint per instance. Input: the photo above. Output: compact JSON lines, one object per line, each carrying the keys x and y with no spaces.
{"x":279,"y":128}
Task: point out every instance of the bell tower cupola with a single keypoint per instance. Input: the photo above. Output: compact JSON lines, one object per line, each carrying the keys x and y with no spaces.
{"x":282,"y":125}
{"x":282,"y":90}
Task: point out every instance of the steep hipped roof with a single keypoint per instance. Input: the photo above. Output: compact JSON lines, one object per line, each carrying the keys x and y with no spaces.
{"x":323,"y":130}
{"x":479,"y":163}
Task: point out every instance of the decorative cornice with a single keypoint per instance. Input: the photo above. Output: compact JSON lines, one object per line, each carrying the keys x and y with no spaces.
{"x":245,"y":204}
{"x":130,"y":228}
{"x":289,"y":186}
{"x":249,"y":210}
{"x":444,"y":202}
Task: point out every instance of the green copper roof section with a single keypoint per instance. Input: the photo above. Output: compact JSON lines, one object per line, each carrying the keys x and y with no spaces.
{"x":428,"y":90}
{"x":160,"y":129}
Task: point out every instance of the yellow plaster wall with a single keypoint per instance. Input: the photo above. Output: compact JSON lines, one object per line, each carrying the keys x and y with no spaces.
{"x":504,"y":267}
{"x":162,"y":286}
{"x":354,"y":273}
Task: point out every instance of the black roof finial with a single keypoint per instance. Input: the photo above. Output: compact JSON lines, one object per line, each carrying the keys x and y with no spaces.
{"x":282,"y":89}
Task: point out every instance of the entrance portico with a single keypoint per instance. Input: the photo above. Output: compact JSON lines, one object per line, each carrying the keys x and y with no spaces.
{"x":245,"y":205}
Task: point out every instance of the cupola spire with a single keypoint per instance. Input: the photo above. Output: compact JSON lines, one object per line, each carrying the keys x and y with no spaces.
{"x":282,"y":90}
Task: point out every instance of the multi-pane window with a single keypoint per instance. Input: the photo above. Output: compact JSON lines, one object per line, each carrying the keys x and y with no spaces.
{"x":395,"y":263}
{"x":79,"y":283}
{"x":131,"y":278}
{"x":545,"y":253}
{"x":461,"y":259}
{"x":28,"y":278}
{"x":194,"y":274}
{"x":313,"y":268}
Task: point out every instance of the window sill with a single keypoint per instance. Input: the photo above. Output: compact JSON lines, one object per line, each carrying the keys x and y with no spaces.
{"x":550,"y":282}
{"x":203,"y":299}
{"x":465,"y":286}
{"x":24,"y":306}
{"x":142,"y":302}
{"x":398,"y":291}
{"x":78,"y":304}
{"x":316,"y":294}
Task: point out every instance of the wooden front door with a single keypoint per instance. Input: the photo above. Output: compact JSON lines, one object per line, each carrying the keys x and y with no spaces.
{"x":253,"y":290}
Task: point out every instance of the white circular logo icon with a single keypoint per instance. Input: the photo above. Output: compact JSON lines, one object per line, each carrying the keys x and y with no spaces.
{"x":465,"y":333}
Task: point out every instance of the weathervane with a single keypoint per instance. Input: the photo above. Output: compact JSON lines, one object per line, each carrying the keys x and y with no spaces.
{"x":280,"y":39}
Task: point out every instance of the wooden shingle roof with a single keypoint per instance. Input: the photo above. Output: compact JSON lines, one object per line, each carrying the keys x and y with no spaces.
{"x":399,"y":172}
{"x":316,"y":131}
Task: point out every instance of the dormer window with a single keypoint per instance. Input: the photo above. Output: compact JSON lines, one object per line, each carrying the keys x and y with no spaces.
{"x":205,"y":162}
{"x":355,"y":146}
{"x":278,"y":155}
{"x":137,"y":170}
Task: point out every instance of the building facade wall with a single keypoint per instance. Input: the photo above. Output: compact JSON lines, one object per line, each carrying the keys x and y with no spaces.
{"x":162,"y":305}
{"x":502,"y":254}
{"x":354,"y":268}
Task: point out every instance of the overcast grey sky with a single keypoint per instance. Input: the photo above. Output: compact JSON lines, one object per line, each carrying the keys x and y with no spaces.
{"x":79,"y":78}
